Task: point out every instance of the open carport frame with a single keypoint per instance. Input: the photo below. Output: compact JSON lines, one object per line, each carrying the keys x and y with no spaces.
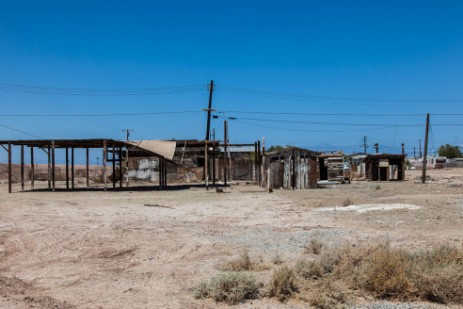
{"x":116,"y":147}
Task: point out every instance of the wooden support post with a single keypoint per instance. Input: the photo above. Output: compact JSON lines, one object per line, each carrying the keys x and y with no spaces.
{"x":87,"y":169}
{"x":49,"y":167}
{"x":114,"y":166}
{"x":121,"y":175}
{"x":32,"y":168}
{"x":293,"y":178}
{"x":206,"y":160}
{"x":105,"y":153}
{"x":213,"y":164}
{"x":53,"y":166}
{"x":67,"y":168}
{"x":165,"y":173}
{"x":22,"y":168}
{"x":72,"y":169}
{"x":225,"y":141}
{"x":259,"y":164}
{"x":255,"y":162}
{"x":10,"y":171}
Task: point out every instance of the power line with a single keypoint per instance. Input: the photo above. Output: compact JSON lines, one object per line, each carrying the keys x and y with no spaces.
{"x":99,"y":115}
{"x":334,"y":98}
{"x":337,"y":123}
{"x":19,"y":131}
{"x":311,"y":131}
{"x":99,"y":92}
{"x":336,"y":114}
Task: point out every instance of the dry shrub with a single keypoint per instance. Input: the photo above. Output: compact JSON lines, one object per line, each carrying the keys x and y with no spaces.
{"x":230,"y":287}
{"x":277,"y":259}
{"x":309,"y":269}
{"x":241,"y":263}
{"x":439,"y":274}
{"x":244,"y":263}
{"x":386,"y":273}
{"x":282,"y":284}
{"x":315,"y":246}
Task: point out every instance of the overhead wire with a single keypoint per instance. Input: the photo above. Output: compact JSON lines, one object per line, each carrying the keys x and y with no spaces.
{"x":19,"y":131}
{"x":335,"y":98}
{"x":99,"y":91}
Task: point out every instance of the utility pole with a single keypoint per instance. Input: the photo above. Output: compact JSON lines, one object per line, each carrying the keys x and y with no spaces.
{"x":209,"y":110}
{"x":127,"y":131}
{"x":364,"y":145}
{"x":403,"y":148}
{"x":414,"y":152}
{"x":376,"y":146}
{"x":425,"y":159}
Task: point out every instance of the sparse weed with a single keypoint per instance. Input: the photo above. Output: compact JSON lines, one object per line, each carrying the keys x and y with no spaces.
{"x":241,"y":263}
{"x":315,"y":246}
{"x":282,"y":284}
{"x":230,"y":287}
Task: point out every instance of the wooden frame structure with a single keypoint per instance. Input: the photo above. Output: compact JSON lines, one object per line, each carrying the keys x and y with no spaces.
{"x":114,"y":151}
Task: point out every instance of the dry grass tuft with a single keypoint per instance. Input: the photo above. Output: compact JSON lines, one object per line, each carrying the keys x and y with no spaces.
{"x":315,"y":246}
{"x":309,"y":269}
{"x":241,"y":263}
{"x":229,"y":287}
{"x":385,"y":272}
{"x":282,"y":284}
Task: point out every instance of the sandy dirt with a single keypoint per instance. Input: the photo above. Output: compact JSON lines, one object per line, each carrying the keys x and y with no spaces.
{"x":148,"y":249}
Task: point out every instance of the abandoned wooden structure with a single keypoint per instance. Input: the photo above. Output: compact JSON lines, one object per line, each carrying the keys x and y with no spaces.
{"x":385,"y":167}
{"x":114,"y":152}
{"x":292,"y":168}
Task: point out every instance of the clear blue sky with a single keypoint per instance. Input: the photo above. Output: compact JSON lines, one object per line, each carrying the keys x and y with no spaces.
{"x":303,"y":57}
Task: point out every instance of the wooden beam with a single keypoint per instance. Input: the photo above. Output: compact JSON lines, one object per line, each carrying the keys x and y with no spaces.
{"x":53,"y":166}
{"x":114,"y":166}
{"x":22,"y":167}
{"x":121,"y":175}
{"x":213,"y":164}
{"x":105,"y":153}
{"x":72,"y":168}
{"x":87,"y":169}
{"x":9,"y":168}
{"x":32,"y":168}
{"x":206,"y":165}
{"x":67,"y":168}
{"x":49,"y":167}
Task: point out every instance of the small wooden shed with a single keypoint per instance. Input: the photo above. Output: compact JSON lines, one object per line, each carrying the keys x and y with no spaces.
{"x":292,"y":168}
{"x":385,"y":167}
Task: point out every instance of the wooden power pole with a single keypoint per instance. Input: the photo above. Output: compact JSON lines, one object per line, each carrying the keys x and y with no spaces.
{"x":425,"y":158}
{"x":209,"y":110}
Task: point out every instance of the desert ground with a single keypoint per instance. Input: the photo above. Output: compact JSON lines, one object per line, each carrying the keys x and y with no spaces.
{"x":151,"y":248}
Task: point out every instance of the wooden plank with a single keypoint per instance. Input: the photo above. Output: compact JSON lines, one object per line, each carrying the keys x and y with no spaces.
{"x":32,"y":168}
{"x":72,"y":169}
{"x":87,"y":169}
{"x":10,"y":174}
{"x":105,"y":153}
{"x":67,"y":168}
{"x":114,"y":166}
{"x":49,"y":167}
{"x":22,"y":167}
{"x":121,"y":174}
{"x":53,"y":166}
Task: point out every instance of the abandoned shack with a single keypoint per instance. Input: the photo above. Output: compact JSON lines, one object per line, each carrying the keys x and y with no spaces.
{"x":332,"y":167}
{"x":292,"y":168}
{"x":385,"y":167}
